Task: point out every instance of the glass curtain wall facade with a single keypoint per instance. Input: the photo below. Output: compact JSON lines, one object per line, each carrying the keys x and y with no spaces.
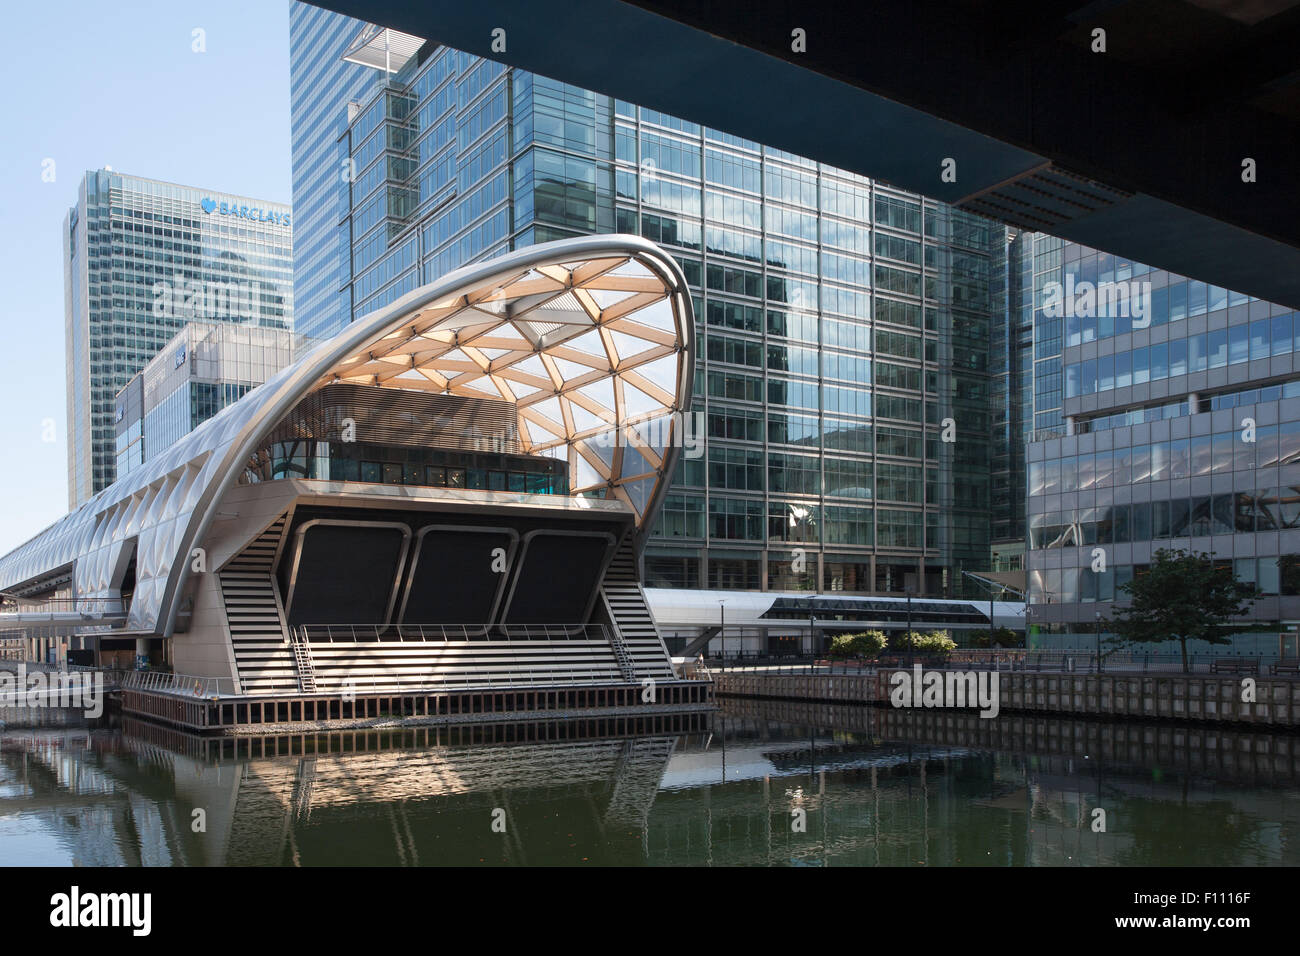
{"x":142,"y":258}
{"x":1011,"y":367}
{"x":1176,"y":428}
{"x":202,"y":370}
{"x":843,"y":326}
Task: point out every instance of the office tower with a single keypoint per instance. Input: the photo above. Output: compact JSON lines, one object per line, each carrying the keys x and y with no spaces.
{"x":843,"y":326}
{"x":1167,"y":414}
{"x":142,"y":258}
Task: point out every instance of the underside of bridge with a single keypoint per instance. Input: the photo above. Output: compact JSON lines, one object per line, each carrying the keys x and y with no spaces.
{"x":1137,"y":150}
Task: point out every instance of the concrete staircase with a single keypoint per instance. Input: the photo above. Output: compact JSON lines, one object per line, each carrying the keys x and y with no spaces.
{"x":639,"y":649}
{"x":264,"y":657}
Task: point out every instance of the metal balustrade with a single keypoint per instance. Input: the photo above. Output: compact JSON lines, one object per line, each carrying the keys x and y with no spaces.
{"x":50,"y":608}
{"x":185,"y":685}
{"x":1224,"y":662}
{"x":510,"y":675}
{"x":443,"y":633}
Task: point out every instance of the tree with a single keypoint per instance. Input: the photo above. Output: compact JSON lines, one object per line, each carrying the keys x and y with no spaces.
{"x":1182,"y":597}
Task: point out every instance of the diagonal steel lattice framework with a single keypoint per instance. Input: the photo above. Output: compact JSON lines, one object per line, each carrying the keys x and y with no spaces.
{"x":590,"y":352}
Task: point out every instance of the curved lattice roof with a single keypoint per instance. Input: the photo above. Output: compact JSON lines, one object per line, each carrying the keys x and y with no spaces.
{"x":589,"y":337}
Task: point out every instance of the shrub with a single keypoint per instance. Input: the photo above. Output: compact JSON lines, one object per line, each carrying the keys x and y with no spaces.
{"x":842,"y":645}
{"x":935,"y":642}
{"x":1005,"y":637}
{"x":870,"y":643}
{"x":866,"y":644}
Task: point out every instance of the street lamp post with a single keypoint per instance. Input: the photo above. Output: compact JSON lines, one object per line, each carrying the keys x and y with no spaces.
{"x":722,"y":631}
{"x":911,"y":644}
{"x":991,"y":596}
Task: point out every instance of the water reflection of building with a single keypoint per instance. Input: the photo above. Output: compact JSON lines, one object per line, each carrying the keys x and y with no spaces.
{"x":720,"y":791}
{"x":402,"y":797}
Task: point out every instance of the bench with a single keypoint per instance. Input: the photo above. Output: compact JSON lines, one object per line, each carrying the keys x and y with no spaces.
{"x":1234,"y":665}
{"x":1278,"y":668}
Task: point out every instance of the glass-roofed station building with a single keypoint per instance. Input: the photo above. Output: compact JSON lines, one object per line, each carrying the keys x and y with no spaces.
{"x":453,"y":491}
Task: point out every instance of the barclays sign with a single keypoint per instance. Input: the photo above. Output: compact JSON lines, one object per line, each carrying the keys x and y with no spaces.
{"x":255,"y":213}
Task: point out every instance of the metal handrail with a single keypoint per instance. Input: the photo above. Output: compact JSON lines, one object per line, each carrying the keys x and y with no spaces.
{"x":184,"y":685}
{"x":443,"y":633}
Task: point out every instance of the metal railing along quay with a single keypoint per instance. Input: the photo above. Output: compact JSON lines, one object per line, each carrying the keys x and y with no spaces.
{"x":425,"y":633}
{"x":183,"y":685}
{"x":1013,"y":660}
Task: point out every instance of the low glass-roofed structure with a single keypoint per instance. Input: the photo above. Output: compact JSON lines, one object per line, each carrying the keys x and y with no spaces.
{"x":455,"y":488}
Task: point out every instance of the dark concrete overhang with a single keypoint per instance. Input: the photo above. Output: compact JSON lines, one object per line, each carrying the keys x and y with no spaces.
{"x":1137,"y":151}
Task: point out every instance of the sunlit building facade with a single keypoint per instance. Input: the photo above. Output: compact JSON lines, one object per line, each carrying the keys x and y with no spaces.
{"x":141,"y":259}
{"x":206,"y":367}
{"x":842,"y":385}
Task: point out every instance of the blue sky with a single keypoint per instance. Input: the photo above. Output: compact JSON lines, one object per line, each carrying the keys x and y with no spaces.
{"x":113,"y":84}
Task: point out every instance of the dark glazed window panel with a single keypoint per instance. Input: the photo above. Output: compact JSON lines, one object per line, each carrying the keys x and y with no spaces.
{"x":1268,"y":582}
{"x":1289,"y":506}
{"x":1088,"y":526}
{"x":1140,"y":516}
{"x":1244,"y":513}
{"x":1161,"y":520}
{"x":1201,"y":521}
{"x":453,"y":582}
{"x":1288,"y":571}
{"x":1120,"y":524}
{"x":556,"y":579}
{"x":1223,"y":518}
{"x":345,"y":574}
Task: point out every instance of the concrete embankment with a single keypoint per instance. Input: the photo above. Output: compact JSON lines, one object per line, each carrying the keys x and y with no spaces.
{"x":1260,"y":701}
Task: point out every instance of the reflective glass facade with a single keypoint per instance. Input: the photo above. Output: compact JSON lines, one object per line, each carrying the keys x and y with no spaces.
{"x":143,"y":258}
{"x":1174,"y":426}
{"x":197,"y":374}
{"x":843,"y":327}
